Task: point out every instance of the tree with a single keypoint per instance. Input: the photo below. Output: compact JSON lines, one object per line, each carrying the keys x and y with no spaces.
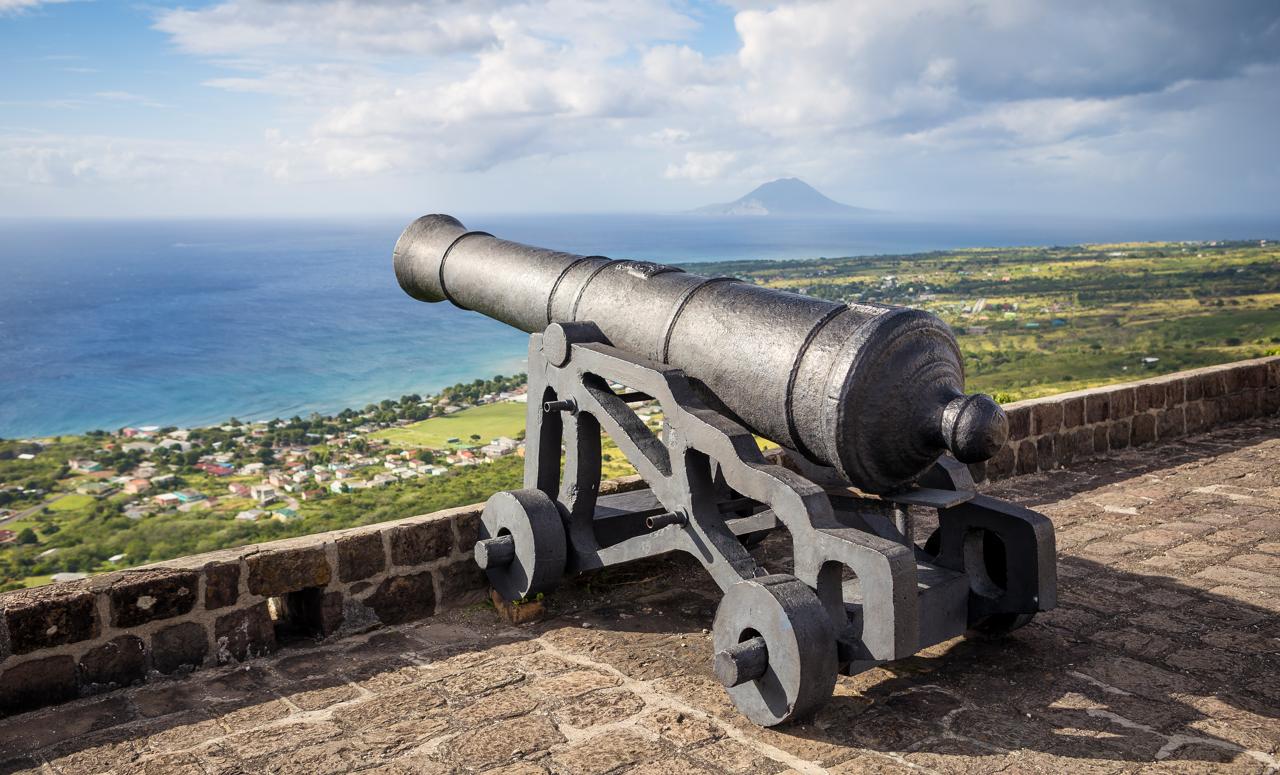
{"x":475,"y":437}
{"x":27,"y":536}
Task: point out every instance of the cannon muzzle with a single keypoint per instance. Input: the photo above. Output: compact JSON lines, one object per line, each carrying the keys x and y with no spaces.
{"x":874,"y":391}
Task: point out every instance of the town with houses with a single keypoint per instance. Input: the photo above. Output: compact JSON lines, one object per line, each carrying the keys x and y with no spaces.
{"x":242,"y":472}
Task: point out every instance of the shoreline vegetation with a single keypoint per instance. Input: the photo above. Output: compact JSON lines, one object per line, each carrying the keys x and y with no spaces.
{"x":1029,"y":321}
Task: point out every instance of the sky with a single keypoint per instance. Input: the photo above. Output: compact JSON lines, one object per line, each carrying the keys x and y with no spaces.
{"x":317,"y":108}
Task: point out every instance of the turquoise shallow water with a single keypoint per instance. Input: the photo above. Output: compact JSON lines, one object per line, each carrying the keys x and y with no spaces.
{"x":107,"y":324}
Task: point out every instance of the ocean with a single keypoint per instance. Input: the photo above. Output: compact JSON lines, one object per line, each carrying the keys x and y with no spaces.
{"x":105,"y":324}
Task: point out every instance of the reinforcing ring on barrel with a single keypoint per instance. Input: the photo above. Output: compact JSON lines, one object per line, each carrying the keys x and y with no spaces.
{"x":522,"y":544}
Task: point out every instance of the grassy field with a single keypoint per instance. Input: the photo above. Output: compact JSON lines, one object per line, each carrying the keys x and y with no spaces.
{"x":72,"y":502}
{"x":488,"y":422}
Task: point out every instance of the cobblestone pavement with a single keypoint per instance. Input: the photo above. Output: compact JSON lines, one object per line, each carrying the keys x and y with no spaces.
{"x":1164,"y":657}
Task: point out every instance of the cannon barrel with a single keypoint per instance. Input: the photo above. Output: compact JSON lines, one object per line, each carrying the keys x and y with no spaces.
{"x":874,"y":391}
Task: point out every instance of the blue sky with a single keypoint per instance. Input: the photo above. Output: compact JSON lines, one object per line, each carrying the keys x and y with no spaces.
{"x":274,"y":107}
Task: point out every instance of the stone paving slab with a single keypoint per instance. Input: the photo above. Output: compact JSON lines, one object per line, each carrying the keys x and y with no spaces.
{"x":1163,"y":657}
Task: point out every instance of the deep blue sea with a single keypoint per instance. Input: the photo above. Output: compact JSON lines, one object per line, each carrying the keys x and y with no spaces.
{"x":105,"y":324}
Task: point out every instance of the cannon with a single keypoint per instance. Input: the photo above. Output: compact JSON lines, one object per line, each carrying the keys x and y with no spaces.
{"x":866,"y":400}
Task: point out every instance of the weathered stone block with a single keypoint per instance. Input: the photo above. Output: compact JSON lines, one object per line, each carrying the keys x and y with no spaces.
{"x":1149,"y":396}
{"x":37,"y":683}
{"x":1271,"y":400}
{"x":1175,"y":392}
{"x":144,"y":596}
{"x":360,"y":556}
{"x":331,"y":613}
{"x":1254,"y":375}
{"x":1238,"y":406}
{"x":1097,"y":407}
{"x":1172,"y":423}
{"x":1118,"y":434}
{"x":1212,"y":415}
{"x":1002,"y":464}
{"x":1194,"y":388}
{"x":1252,"y":402}
{"x":423,"y":542}
{"x":1123,"y":401}
{"x":404,"y":598}
{"x":118,"y":662}
{"x":1101,"y":441}
{"x":1072,"y":412}
{"x":461,"y":583}
{"x":182,"y":645}
{"x":1273,"y":373}
{"x":1144,"y":429}
{"x":1027,"y":461}
{"x":1047,"y":452}
{"x":1066,"y":448}
{"x":1212,"y":384}
{"x":245,"y":633}
{"x":221,"y":585}
{"x":517,"y":613}
{"x":49,"y":616}
{"x":1082,"y":443}
{"x":1194,"y":415}
{"x":468,"y":525}
{"x":1019,"y":422}
{"x":1232,"y":379}
{"x":1046,"y":417}
{"x":278,"y":572}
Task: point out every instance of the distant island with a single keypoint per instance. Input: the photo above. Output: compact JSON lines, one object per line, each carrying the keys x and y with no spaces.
{"x":785,"y":196}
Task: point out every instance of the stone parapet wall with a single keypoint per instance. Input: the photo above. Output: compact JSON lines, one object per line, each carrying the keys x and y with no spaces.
{"x":1055,"y":431}
{"x":69,"y":639}
{"x":73,"y":639}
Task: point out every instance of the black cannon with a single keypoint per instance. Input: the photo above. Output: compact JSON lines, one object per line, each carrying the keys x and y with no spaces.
{"x":866,"y":399}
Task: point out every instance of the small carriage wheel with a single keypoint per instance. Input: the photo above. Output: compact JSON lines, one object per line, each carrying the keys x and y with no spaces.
{"x":522,"y":543}
{"x":775,"y":649}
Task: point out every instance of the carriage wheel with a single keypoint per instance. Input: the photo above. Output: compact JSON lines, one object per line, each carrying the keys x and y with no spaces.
{"x":522,"y":543}
{"x":775,"y":649}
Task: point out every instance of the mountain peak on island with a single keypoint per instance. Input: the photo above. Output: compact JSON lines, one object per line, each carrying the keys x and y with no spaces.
{"x":785,"y":196}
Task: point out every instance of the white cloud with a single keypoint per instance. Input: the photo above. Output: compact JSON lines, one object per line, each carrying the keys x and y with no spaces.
{"x":124,"y":96}
{"x":436,"y":85}
{"x":906,"y":100}
{"x":18,"y":6}
{"x":41,"y":159}
{"x":701,"y":166}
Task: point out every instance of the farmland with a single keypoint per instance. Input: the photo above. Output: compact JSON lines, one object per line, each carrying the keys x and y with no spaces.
{"x":484,"y":422}
{"x":1036,"y":321}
